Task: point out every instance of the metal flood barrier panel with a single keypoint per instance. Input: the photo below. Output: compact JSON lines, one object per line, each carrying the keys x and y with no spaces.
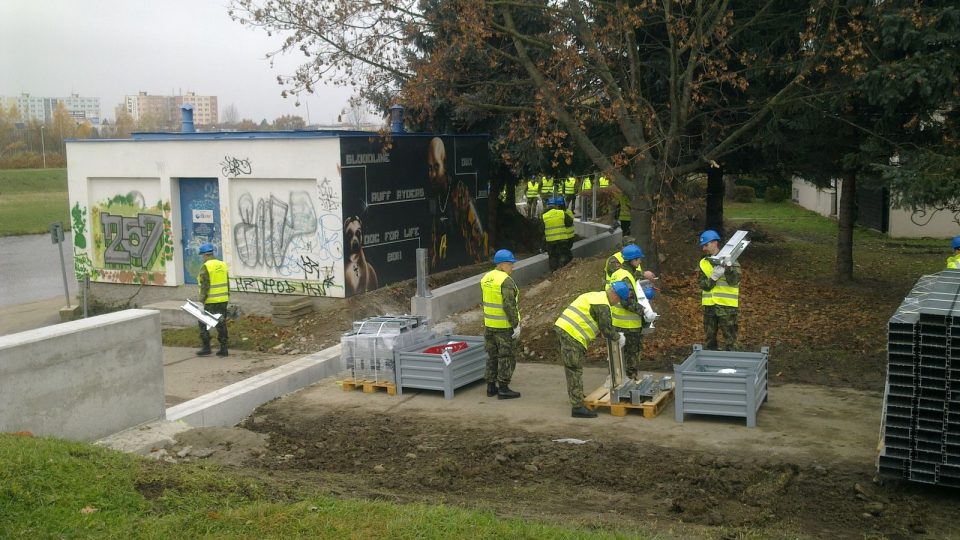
{"x":920,"y":431}
{"x":722,"y":383}
{"x":430,"y":371}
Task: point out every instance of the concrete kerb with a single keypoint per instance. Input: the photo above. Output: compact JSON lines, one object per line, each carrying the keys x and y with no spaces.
{"x":464,"y":294}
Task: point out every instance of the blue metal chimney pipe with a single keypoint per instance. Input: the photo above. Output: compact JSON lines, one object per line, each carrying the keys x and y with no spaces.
{"x":186,"y":118}
{"x":396,"y":119}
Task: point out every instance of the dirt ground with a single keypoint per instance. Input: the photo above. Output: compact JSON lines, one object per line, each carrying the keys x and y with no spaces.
{"x":806,"y":471}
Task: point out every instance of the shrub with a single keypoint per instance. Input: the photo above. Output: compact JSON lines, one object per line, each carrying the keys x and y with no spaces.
{"x":775,"y":194}
{"x":744,"y":194}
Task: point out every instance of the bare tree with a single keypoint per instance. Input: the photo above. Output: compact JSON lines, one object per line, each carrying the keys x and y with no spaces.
{"x":648,"y":92}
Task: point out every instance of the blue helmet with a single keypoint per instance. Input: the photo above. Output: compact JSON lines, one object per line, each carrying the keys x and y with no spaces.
{"x":709,"y":236}
{"x":631,"y":252}
{"x":956,"y":242}
{"x":557,"y":201}
{"x":622,"y":289}
{"x":649,"y":292}
{"x":206,"y":248}
{"x":504,"y":255}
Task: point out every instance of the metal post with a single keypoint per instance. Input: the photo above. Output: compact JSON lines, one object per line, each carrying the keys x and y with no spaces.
{"x":56,"y":230}
{"x":593,"y":209}
{"x":86,"y":289}
{"x":43,"y":147}
{"x":422,"y":290}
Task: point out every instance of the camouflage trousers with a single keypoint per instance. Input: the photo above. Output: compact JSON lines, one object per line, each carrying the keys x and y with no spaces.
{"x":555,"y":254}
{"x":221,"y":308}
{"x":724,"y":319}
{"x":571,"y":356}
{"x":632,"y":350}
{"x":501,"y":356}
{"x":566,"y":253}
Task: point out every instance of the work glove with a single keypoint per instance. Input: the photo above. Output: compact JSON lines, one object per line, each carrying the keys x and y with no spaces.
{"x":516,"y":332}
{"x":650,"y":315}
{"x":717,"y":273}
{"x":623,"y":340}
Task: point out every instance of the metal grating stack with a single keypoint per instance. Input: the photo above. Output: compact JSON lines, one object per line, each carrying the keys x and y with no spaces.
{"x":921,"y":421}
{"x":368,"y":348}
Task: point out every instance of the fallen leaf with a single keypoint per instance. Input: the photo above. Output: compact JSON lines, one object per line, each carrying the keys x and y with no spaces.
{"x":86,"y":510}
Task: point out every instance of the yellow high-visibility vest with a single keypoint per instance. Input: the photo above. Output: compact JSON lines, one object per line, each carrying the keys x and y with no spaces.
{"x":553,"y":228}
{"x":622,"y":317}
{"x":533,"y":189}
{"x":546,"y":185}
{"x":604,"y":183}
{"x":494,"y":315}
{"x":953,"y":263}
{"x":569,"y":232}
{"x":722,"y":294}
{"x":570,"y":186}
{"x":219,"y":282}
{"x":606,"y":266}
{"x":577,"y":321}
{"x":587,"y":184}
{"x":624,"y":213}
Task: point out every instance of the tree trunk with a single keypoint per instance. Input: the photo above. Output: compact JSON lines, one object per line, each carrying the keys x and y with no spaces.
{"x":715,"y":191}
{"x":848,"y":206}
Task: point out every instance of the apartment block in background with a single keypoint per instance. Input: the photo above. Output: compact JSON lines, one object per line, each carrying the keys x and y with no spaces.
{"x":164,"y":111}
{"x":39,"y":108}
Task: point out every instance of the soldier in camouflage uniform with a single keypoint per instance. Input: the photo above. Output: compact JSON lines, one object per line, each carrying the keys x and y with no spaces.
{"x":579,"y":325}
{"x":501,"y":319}
{"x":720,"y":297}
{"x":557,"y":233}
{"x":628,"y":318}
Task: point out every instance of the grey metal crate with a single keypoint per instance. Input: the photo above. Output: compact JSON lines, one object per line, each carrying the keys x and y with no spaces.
{"x":417,"y":369}
{"x":702,"y":389}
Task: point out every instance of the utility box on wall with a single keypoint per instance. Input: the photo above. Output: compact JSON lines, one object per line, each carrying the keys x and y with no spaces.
{"x":300,"y":213}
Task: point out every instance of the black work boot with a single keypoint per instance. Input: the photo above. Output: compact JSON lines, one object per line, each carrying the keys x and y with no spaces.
{"x":491,"y":389}
{"x":582,"y":412}
{"x":506,"y":393}
{"x":204,"y":350}
{"x":222,"y":351}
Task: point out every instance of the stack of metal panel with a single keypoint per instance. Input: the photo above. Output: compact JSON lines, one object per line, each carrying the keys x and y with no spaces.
{"x":921,"y":421}
{"x":367,"y":350}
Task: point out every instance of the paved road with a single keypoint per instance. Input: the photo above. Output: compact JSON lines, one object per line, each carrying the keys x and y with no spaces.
{"x":30,"y":270}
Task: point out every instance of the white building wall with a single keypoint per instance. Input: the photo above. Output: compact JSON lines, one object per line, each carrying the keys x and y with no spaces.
{"x":141,"y":176}
{"x":822,"y":201}
{"x":934,"y":224}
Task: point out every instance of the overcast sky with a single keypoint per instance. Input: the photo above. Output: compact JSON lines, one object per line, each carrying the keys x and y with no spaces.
{"x":111,"y":48}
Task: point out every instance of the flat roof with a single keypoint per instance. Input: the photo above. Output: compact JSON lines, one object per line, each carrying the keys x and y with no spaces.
{"x":248,"y":135}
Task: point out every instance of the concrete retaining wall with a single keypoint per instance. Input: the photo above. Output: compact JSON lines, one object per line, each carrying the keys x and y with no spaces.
{"x":83,"y":379}
{"x":465,"y":294}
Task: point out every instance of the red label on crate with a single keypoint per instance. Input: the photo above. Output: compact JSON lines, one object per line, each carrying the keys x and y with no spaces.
{"x":456,"y":346}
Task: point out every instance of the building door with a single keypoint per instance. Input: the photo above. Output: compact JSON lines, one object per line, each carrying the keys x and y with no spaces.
{"x":199,"y":221}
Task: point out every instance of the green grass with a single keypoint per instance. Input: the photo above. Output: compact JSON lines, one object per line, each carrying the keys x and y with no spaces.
{"x":246,"y":333}
{"x":57,"y":489}
{"x":32,"y":199}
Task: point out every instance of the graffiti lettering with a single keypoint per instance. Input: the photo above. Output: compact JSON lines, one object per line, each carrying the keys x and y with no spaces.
{"x":232,"y":166}
{"x":284,"y":286}
{"x":311,"y":270}
{"x":132,"y":241}
{"x":331,"y":238}
{"x":263,"y":235}
{"x":328,"y":197}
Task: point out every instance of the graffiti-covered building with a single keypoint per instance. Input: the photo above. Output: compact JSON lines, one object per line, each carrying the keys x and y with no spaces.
{"x":296,"y":213}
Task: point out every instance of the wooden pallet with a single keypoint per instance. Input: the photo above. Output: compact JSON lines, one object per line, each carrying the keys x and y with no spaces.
{"x":601,"y":398}
{"x":369,"y":387}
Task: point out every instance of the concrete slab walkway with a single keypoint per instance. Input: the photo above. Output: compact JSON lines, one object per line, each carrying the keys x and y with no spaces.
{"x":187,"y":375}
